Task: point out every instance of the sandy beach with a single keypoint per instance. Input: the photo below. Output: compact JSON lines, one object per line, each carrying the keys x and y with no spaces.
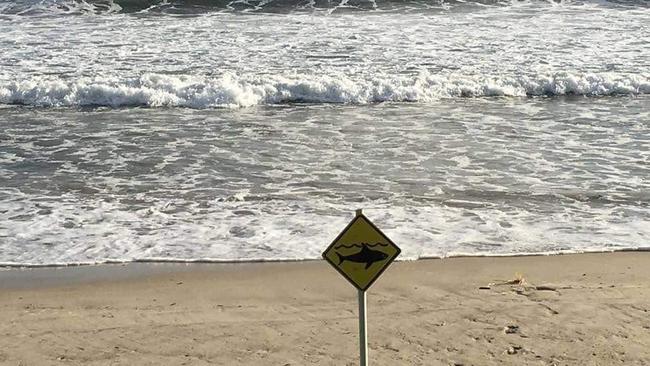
{"x":585,"y":309}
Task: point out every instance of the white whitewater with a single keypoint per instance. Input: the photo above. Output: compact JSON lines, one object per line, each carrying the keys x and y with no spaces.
{"x":229,"y":91}
{"x":251,"y":130}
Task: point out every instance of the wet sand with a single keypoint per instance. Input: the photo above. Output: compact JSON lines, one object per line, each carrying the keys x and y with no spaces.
{"x":585,"y":309}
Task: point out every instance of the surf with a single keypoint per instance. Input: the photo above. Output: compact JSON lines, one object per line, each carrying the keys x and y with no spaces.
{"x":233,"y":91}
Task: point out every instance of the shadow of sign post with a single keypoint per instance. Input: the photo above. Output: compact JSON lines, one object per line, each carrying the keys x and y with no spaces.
{"x":361,"y":253}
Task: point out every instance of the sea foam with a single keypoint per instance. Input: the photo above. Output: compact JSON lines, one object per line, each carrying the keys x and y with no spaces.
{"x":230,"y":90}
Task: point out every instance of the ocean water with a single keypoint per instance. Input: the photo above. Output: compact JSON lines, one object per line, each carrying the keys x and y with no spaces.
{"x":252,"y":130}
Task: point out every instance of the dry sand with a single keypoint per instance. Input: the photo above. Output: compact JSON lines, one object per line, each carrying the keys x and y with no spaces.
{"x":587,"y":309}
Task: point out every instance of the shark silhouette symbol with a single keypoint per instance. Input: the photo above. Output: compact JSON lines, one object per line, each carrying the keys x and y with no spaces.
{"x":365,"y":255}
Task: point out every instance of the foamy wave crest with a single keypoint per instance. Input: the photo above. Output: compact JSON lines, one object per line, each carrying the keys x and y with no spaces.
{"x":231,"y":91}
{"x":57,"y":7}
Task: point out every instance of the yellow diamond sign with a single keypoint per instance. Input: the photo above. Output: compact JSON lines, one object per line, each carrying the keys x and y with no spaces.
{"x":361,"y":252}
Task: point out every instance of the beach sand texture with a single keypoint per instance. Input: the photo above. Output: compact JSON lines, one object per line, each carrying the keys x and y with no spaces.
{"x":586,"y":309}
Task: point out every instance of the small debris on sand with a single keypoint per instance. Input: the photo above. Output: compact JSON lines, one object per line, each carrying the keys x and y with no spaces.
{"x":545,"y":288}
{"x":511,"y":329}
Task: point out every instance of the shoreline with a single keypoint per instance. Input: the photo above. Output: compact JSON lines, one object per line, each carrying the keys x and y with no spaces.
{"x":574,"y":309}
{"x":39,"y":276}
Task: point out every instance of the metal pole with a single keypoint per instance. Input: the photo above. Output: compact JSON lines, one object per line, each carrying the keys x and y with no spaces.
{"x":363,"y":327}
{"x":363,"y":330}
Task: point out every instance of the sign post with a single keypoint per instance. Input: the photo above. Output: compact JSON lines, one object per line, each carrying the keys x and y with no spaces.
{"x":363,"y":330}
{"x":361,"y":253}
{"x":363,"y":325}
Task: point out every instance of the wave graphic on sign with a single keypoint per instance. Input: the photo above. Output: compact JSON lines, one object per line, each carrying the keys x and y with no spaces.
{"x":361,"y":245}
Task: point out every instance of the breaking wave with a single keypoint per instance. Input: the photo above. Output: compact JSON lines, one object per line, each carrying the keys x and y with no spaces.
{"x":233,"y":91}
